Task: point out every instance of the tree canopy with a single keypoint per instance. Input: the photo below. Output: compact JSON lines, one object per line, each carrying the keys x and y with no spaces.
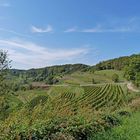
{"x":4,"y":65}
{"x":4,"y":61}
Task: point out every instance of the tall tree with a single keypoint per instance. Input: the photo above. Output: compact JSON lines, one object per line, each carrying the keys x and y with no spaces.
{"x":132,"y":71}
{"x":4,"y":66}
{"x":4,"y":61}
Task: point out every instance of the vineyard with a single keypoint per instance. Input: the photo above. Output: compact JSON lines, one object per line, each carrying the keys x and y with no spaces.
{"x":70,"y":110}
{"x":97,"y":97}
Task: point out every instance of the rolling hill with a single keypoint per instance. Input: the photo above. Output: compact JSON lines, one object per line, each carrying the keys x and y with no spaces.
{"x":73,"y":102}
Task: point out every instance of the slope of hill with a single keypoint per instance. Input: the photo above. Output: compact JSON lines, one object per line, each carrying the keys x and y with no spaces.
{"x":77,"y":74}
{"x":82,"y":101}
{"x":117,"y":63}
{"x":85,"y":78}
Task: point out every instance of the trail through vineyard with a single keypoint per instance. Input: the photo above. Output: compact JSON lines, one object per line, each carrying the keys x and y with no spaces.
{"x":131,"y":87}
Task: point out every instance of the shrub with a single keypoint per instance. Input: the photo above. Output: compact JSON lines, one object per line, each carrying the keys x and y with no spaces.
{"x":111,"y":120}
{"x":115,"y":78}
{"x":15,"y":87}
{"x":124,"y":113}
{"x":93,"y":81}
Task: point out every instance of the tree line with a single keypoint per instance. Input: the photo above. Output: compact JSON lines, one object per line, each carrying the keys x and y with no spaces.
{"x":129,"y":64}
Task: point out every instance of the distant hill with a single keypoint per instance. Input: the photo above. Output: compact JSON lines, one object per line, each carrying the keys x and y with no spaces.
{"x":116,"y":63}
{"x":48,"y":73}
{"x":52,"y":74}
{"x":129,"y":64}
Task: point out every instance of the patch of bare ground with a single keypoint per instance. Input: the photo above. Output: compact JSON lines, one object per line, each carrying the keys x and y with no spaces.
{"x":40,"y":85}
{"x":135,"y":104}
{"x":131,"y":87}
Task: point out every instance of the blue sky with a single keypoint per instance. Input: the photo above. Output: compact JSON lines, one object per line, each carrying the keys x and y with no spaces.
{"x":48,"y":32}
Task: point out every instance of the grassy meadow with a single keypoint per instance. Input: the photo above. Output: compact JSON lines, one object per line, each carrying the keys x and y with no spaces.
{"x":103,"y":76}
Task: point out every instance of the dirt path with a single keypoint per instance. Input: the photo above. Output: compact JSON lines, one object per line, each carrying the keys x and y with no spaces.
{"x":131,"y":87}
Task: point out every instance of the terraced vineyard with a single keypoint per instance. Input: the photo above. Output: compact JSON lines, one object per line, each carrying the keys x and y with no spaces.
{"x":108,"y":95}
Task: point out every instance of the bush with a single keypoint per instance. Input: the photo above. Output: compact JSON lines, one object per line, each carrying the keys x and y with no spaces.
{"x":111,"y":120}
{"x":15,"y":87}
{"x":23,"y":88}
{"x":124,"y":113}
{"x":93,"y":81}
{"x":115,"y":78}
{"x":51,"y":80}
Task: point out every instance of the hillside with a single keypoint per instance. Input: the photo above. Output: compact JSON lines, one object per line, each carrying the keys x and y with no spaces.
{"x":116,"y":63}
{"x":68,"y":102}
{"x":85,"y":78}
{"x":81,"y":73}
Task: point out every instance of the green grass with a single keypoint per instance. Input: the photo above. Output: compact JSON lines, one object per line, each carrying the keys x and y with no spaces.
{"x":26,"y":96}
{"x":13,"y":101}
{"x":103,"y":76}
{"x":128,"y":130}
{"x":79,"y":107}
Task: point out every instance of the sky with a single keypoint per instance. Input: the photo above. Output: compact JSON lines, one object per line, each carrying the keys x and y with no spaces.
{"x":39,"y":33}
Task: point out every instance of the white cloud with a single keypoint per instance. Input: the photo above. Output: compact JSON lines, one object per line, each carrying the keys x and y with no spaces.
{"x":28,"y":55}
{"x":102,"y":30}
{"x":73,"y":29}
{"x":35,"y":29}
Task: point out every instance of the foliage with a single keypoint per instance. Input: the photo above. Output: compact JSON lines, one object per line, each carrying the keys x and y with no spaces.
{"x":37,"y":100}
{"x":93,"y":81}
{"x":128,"y":130}
{"x":132,"y":71}
{"x":115,"y":78}
{"x":4,"y":65}
{"x":74,"y":113}
{"x":4,"y":88}
{"x":62,"y":113}
{"x":4,"y":106}
{"x":117,"y":63}
{"x":51,"y":80}
{"x":45,"y":74}
{"x":4,"y":61}
{"x":130,"y":64}
{"x":60,"y":73}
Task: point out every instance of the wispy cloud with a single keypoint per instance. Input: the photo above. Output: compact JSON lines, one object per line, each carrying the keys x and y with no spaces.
{"x":5,"y":4}
{"x":73,"y":29}
{"x":48,"y":29}
{"x":92,"y":30}
{"x":103,"y":30}
{"x":28,"y":54}
{"x":131,"y":25}
{"x":14,"y":32}
{"x":100,"y":29}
